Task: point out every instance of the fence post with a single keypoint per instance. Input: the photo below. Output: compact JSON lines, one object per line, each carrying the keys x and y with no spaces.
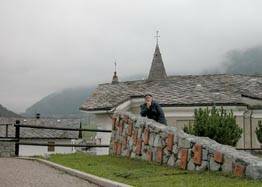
{"x":80,"y":133}
{"x":17,"y":136}
{"x":6,"y":130}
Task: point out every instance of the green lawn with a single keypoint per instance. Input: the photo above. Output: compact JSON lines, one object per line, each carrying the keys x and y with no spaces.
{"x":142,"y":173}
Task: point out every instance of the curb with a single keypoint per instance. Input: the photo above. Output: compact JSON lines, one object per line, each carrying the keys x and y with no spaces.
{"x":86,"y":176}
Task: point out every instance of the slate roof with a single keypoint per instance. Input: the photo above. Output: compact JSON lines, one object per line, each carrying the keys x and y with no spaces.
{"x":179,"y":90}
{"x":41,"y":133}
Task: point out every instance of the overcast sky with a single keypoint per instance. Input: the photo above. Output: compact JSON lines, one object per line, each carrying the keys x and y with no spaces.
{"x":48,"y":45}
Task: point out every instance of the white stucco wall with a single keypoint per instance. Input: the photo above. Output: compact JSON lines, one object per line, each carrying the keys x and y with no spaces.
{"x":30,"y":150}
{"x":103,"y":121}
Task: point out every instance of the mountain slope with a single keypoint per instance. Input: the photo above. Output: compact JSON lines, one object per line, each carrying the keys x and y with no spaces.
{"x":248,"y":61}
{"x":61,"y":104}
{"x":7,"y":113}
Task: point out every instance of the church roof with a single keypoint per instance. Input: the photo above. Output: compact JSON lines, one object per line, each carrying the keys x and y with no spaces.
{"x":157,"y":70}
{"x":179,"y":90}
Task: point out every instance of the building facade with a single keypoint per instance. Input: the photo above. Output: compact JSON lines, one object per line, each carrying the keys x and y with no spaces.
{"x":179,"y":96}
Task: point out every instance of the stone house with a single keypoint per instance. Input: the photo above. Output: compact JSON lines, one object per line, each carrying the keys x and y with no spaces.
{"x":179,"y":95}
{"x":49,"y":136}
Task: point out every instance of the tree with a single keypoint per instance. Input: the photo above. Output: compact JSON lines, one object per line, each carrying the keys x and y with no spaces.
{"x":259,"y":131}
{"x":217,"y":124}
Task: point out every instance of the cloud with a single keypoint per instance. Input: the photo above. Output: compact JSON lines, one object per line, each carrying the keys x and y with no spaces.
{"x":52,"y":44}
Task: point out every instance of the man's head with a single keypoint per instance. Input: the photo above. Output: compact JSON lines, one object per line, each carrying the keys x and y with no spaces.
{"x":148,"y":97}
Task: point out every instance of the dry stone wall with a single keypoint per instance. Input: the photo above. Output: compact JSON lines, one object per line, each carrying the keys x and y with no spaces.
{"x":142,"y":138}
{"x":7,"y":148}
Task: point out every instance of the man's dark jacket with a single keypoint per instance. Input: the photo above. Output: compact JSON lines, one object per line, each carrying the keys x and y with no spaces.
{"x":154,"y":112}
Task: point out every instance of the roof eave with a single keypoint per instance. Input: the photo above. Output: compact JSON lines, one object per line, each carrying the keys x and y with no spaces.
{"x":96,"y":110}
{"x":202,"y":104}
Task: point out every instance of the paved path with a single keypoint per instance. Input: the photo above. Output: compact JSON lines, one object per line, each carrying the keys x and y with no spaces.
{"x":26,"y":173}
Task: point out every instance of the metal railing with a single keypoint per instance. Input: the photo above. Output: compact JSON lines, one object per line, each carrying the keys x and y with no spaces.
{"x":17,"y":137}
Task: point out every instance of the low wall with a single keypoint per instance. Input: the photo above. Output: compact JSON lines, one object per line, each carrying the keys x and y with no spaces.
{"x":142,"y":138}
{"x":7,"y":148}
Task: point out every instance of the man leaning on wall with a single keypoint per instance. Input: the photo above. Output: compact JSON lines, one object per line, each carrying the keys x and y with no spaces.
{"x":152,"y":109}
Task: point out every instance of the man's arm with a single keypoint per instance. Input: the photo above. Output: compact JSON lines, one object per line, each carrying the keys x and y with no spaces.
{"x":162,"y":118}
{"x":143,"y":110}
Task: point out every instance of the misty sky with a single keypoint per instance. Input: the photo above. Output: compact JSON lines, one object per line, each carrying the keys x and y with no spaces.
{"x":48,"y":45}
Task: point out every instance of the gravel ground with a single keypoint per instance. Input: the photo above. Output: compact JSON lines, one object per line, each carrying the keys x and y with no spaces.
{"x":26,"y":173}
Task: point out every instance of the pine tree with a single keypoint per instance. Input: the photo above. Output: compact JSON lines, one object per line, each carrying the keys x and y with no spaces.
{"x":259,"y":131}
{"x":217,"y":124}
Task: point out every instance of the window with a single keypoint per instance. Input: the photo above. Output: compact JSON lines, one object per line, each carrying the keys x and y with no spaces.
{"x":51,"y":147}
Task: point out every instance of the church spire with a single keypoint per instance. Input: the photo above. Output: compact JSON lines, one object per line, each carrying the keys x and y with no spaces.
{"x":115,"y":77}
{"x":157,"y":70}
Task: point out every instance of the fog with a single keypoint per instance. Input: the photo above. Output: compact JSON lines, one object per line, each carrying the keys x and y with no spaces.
{"x":49,"y":45}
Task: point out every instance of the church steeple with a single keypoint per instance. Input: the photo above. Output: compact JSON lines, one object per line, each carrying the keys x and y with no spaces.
{"x":115,"y":77}
{"x":157,"y":70}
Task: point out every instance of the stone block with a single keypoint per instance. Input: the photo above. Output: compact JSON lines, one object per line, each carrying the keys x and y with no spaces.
{"x":130,"y":142}
{"x":254,"y":171}
{"x":218,"y":157}
{"x":157,"y":141}
{"x":227,"y":164}
{"x":120,"y":128}
{"x":130,"y":128}
{"x":140,"y":131}
{"x":190,"y":154}
{"x":204,"y":154}
{"x":183,"y":143}
{"x":139,"y":146}
{"x":125,"y":118}
{"x":170,"y":141}
{"x":171,"y":161}
{"x":146,"y":136}
{"x":177,"y":164}
{"x":149,"y":155}
{"x":213,"y":166}
{"x":159,"y":155}
{"x":143,"y":156}
{"x":175,"y":149}
{"x":151,"y":139}
{"x":124,"y":142}
{"x":197,"y":154}
{"x":118,"y":149}
{"x":190,"y":165}
{"x":129,"y":153}
{"x":203,"y":166}
{"x":154,"y":150}
{"x":239,"y":170}
{"x":125,"y":131}
{"x":183,"y":158}
{"x":135,"y":132}
{"x":115,"y":148}
{"x":133,"y":154}
{"x":165,"y":158}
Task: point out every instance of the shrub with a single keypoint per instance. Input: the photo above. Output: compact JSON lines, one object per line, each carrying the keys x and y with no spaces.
{"x":259,"y":131}
{"x":217,"y":124}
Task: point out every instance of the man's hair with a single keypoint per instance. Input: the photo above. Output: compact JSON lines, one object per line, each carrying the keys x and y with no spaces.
{"x":148,"y":94}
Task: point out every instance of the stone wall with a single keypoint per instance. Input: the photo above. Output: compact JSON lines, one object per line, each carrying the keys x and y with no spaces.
{"x":7,"y":148}
{"x":142,"y":138}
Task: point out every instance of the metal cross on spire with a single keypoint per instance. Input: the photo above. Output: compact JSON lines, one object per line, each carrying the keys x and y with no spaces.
{"x":157,"y":36}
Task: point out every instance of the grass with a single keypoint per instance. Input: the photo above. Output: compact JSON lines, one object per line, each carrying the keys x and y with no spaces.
{"x":142,"y":173}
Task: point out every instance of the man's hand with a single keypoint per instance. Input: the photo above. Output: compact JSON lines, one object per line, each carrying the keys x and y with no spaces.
{"x":148,"y":104}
